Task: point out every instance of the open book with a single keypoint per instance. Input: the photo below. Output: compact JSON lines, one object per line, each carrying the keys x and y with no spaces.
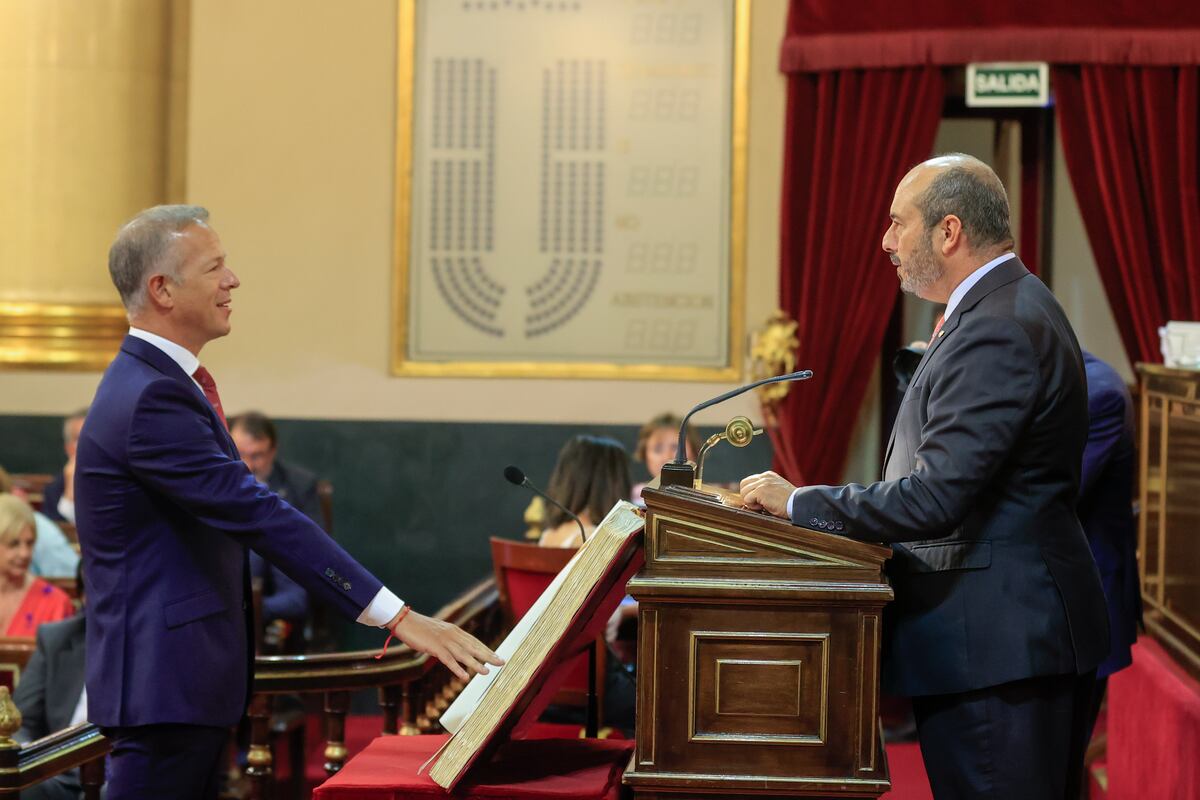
{"x":569,"y":614}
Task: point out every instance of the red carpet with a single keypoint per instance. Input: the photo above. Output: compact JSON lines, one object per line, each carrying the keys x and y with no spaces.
{"x":908,"y":773}
{"x":904,"y":759}
{"x":1153,"y":728}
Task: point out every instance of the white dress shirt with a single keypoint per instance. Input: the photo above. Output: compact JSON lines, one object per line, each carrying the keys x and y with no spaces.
{"x":385,"y":605}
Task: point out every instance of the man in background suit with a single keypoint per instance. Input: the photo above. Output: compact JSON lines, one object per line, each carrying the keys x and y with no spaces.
{"x":50,"y":696}
{"x":58,"y":498}
{"x":166,"y":511}
{"x":1106,"y":512}
{"x":258,"y":444}
{"x":998,"y":621}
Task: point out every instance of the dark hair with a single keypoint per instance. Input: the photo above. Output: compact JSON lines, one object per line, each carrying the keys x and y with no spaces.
{"x":667,"y":420}
{"x":972,"y":192}
{"x":592,"y":473}
{"x":257,"y":424}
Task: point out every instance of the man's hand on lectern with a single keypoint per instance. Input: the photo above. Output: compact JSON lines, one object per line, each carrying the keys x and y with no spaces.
{"x":461,"y":652}
{"x":767,"y":492}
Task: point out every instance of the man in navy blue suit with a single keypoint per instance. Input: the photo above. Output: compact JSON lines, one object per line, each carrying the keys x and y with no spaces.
{"x":1106,"y":513}
{"x":166,"y":512}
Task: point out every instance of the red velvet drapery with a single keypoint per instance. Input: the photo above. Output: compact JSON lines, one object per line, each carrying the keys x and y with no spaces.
{"x":851,"y":135}
{"x":1130,"y":140}
{"x":857,"y":118}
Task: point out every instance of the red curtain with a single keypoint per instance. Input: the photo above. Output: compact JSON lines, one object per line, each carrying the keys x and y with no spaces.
{"x":1130,"y":140}
{"x":834,"y":34}
{"x":851,"y":135}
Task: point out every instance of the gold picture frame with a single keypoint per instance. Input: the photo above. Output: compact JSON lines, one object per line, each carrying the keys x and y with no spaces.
{"x":403,"y":365}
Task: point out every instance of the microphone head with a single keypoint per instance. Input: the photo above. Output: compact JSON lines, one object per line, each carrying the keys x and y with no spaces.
{"x":514,"y":475}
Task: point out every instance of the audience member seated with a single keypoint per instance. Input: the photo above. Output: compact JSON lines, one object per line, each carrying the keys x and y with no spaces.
{"x":282,"y":598}
{"x":591,"y":475}
{"x":51,"y":695}
{"x":53,"y":554}
{"x":656,"y":445}
{"x":25,"y":601}
{"x":58,"y":498}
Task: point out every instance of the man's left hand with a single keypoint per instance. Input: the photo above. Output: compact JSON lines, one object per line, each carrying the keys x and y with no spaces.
{"x":767,"y":492}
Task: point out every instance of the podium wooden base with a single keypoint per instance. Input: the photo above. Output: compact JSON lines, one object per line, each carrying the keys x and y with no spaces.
{"x":758,"y":657}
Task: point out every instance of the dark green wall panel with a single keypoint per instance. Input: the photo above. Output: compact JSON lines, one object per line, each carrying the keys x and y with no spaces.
{"x":414,"y":501}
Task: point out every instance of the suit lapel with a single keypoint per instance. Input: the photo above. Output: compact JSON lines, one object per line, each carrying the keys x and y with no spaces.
{"x":144,"y":351}
{"x":68,"y":668}
{"x":1001,"y":275}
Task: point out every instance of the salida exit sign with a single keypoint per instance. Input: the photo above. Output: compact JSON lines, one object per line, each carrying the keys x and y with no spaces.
{"x":1008,"y":84}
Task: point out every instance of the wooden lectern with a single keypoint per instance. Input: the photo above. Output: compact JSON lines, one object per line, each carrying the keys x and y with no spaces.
{"x":758,"y":656}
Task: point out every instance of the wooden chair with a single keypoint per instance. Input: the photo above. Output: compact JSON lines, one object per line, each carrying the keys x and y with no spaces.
{"x":523,"y":571}
{"x":15,"y":652}
{"x":32,"y":485}
{"x":325,"y":497}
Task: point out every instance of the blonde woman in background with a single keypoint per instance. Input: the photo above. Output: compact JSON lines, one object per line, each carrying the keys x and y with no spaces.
{"x":26,"y":601}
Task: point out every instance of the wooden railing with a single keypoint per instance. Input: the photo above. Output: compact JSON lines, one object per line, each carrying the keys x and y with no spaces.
{"x":413,"y":691}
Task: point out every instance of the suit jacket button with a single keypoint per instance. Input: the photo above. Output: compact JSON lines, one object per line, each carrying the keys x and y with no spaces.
{"x":328,"y":572}
{"x":346,"y":586}
{"x":813,"y":522}
{"x":841,"y":526}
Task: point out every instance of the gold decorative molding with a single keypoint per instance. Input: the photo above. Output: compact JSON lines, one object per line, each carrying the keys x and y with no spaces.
{"x":60,"y":336}
{"x":773,"y":352}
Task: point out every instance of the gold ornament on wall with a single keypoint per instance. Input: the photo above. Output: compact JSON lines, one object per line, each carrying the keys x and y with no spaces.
{"x":773,"y":352}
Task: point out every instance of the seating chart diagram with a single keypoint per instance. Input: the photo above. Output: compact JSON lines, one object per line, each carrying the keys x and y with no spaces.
{"x":569,"y":200}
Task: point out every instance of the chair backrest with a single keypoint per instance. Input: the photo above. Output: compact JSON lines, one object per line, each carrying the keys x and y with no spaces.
{"x":325,"y":498}
{"x":523,"y":571}
{"x":15,"y":652}
{"x":33,"y":484}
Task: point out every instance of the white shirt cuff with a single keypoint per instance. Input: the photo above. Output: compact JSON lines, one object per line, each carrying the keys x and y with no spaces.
{"x":791,"y":500}
{"x":381,"y":609}
{"x":67,"y":509}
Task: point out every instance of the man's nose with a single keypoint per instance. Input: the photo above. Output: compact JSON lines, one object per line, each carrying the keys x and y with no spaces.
{"x":231,"y":280}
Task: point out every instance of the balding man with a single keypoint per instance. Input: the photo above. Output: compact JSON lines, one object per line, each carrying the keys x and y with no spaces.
{"x":999,"y":620}
{"x":166,"y":512}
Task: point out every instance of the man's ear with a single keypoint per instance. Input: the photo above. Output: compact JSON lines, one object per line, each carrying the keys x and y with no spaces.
{"x":158,"y":291}
{"x":952,"y":234}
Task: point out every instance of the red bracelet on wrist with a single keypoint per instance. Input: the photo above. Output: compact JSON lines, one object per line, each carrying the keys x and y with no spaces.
{"x":392,"y":631}
{"x":403,"y":613}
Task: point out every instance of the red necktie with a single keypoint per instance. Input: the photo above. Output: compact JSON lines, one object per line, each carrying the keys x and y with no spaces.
{"x":936,"y":329}
{"x":205,"y":379}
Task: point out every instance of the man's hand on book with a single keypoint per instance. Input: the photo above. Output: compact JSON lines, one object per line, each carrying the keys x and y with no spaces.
{"x":461,"y":652}
{"x":767,"y":492}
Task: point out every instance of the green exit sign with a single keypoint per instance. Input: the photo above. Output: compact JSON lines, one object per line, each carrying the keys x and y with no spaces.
{"x":1007,"y":84}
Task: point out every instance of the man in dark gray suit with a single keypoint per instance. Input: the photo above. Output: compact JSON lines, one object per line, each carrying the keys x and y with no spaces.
{"x":50,"y":697}
{"x":999,"y":620}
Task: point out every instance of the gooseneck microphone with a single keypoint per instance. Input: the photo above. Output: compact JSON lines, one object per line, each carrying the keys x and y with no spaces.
{"x":516,"y":476}
{"x":679,"y":472}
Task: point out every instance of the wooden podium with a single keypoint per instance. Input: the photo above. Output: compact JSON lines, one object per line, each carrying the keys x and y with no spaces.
{"x":758,"y":657}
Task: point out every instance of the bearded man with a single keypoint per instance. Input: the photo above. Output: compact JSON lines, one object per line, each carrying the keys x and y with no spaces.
{"x":999,"y":619}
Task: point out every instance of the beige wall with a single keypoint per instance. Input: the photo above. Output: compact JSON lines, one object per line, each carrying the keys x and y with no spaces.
{"x":290,"y":144}
{"x":290,"y":141}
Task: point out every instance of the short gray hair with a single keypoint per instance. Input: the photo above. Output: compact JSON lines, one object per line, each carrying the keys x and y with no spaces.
{"x":971,"y":191}
{"x":143,"y":245}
